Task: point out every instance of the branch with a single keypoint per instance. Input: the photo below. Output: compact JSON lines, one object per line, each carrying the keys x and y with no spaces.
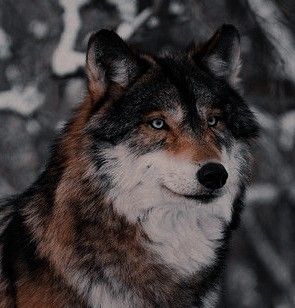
{"x":269,"y":18}
{"x":66,"y":60}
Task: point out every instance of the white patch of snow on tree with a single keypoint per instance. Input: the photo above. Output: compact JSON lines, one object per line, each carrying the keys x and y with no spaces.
{"x":176,"y":8}
{"x":126,"y":29}
{"x":65,"y":59}
{"x":127,"y":9}
{"x":21,"y":100}
{"x":130,"y":21}
{"x":4,"y":45}
{"x":287,"y":133}
{"x":38,"y":28}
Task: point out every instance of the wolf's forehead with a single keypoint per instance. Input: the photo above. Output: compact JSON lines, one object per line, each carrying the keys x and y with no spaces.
{"x":193,"y":84}
{"x":173,"y":86}
{"x":182,"y":92}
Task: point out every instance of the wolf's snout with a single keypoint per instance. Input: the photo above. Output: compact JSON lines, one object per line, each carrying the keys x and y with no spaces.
{"x":212,"y":175}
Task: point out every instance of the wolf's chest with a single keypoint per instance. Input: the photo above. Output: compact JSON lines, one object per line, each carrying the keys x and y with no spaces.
{"x":186,"y":238}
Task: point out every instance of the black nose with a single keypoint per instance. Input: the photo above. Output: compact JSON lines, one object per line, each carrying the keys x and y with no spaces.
{"x":212,"y":175}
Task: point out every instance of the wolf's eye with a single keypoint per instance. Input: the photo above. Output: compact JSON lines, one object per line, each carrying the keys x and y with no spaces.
{"x":212,"y":121}
{"x":157,"y":123}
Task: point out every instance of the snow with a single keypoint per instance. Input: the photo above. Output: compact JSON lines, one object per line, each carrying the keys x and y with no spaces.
{"x":65,"y":59}
{"x":287,"y":133}
{"x":4,"y":45}
{"x":176,"y":8}
{"x":127,"y":9}
{"x":130,"y":21}
{"x":38,"y":28}
{"x":22,"y":100}
{"x":126,"y":29}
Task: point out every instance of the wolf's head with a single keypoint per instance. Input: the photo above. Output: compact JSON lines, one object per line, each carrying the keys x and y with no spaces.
{"x":165,"y":130}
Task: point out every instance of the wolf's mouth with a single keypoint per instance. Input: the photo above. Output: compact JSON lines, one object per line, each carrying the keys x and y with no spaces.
{"x":203,"y":197}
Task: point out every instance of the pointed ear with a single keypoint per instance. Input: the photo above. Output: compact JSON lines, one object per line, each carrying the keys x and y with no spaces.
{"x":221,"y":54}
{"x":109,"y":60}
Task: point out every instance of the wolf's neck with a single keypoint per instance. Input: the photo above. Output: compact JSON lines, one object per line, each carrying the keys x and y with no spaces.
{"x":187,"y":237}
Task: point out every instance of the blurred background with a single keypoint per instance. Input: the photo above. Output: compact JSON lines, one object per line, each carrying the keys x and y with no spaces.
{"x":42,"y":51}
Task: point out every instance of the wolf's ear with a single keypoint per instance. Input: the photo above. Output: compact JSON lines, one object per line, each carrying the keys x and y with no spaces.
{"x":221,"y":54}
{"x":109,"y":60}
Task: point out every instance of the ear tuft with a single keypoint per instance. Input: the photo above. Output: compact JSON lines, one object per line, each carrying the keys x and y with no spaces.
{"x":221,"y":54}
{"x":109,"y":60}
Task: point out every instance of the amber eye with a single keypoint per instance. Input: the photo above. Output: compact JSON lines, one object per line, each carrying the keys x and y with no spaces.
{"x":158,"y":124}
{"x":212,"y":121}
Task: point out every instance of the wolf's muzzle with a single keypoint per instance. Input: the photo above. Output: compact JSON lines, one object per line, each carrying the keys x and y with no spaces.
{"x":212,"y":175}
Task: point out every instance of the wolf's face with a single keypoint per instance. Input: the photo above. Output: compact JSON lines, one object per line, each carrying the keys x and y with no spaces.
{"x":168,"y":130}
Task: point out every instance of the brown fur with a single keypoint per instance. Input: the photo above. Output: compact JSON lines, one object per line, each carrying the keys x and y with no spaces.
{"x":45,"y":292}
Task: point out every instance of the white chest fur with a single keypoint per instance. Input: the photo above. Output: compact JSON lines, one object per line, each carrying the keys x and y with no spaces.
{"x":187,"y":236}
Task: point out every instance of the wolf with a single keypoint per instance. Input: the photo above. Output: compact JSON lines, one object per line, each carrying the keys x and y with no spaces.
{"x":144,"y":185}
